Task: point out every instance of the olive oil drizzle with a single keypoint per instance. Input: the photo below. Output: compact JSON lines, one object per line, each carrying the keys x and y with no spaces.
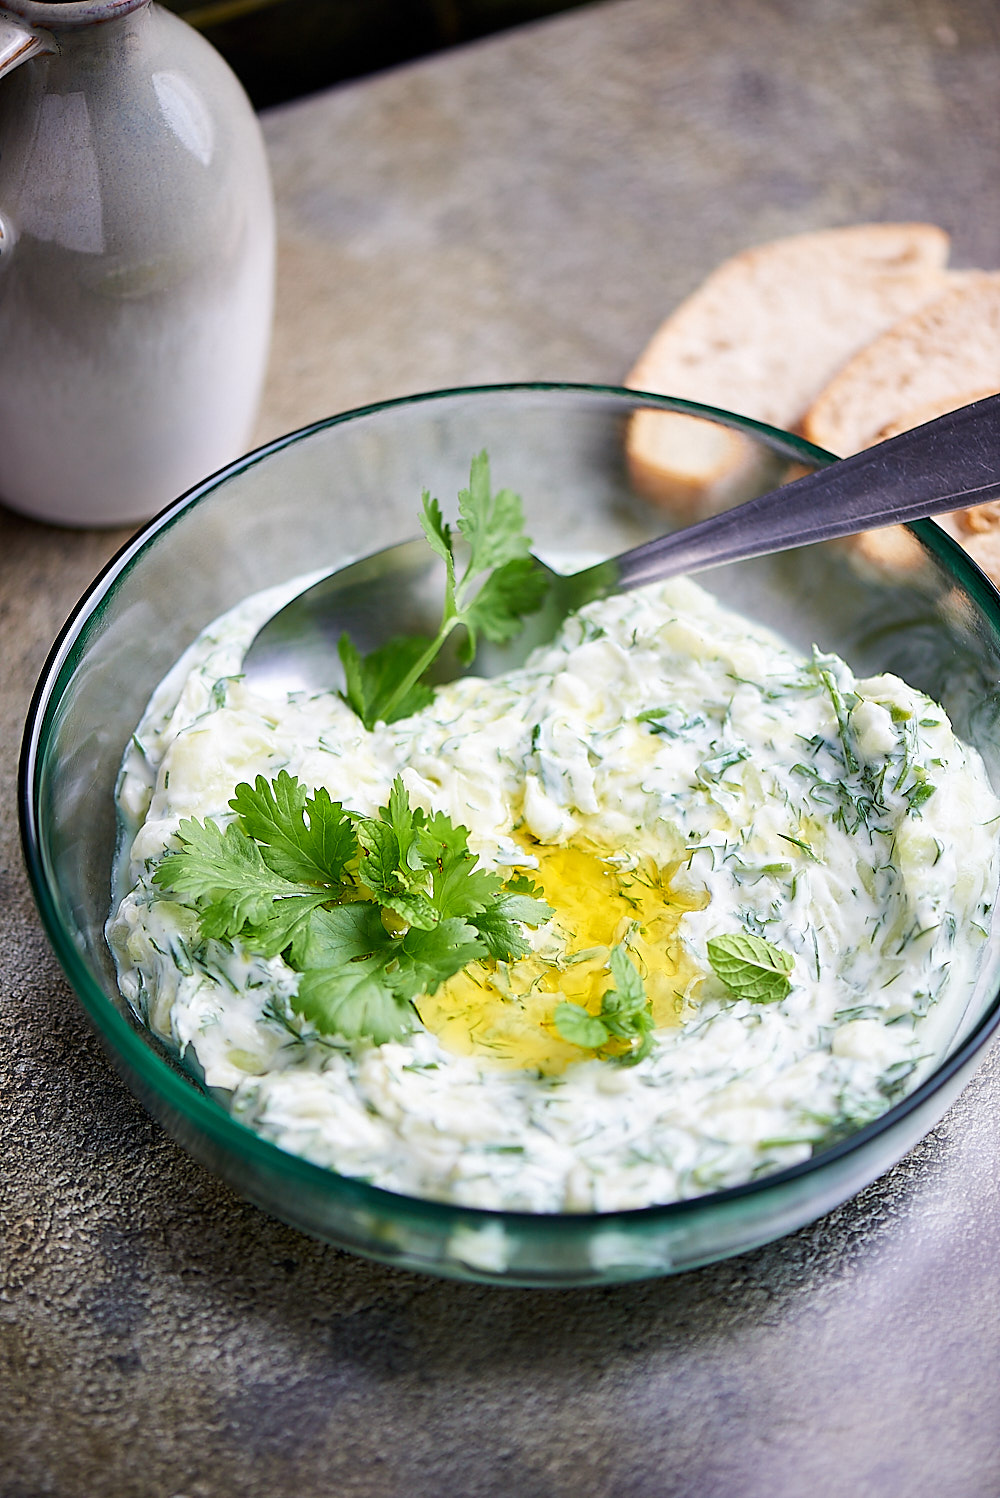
{"x":504,"y":1011}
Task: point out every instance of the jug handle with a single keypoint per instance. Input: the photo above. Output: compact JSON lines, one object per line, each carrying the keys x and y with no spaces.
{"x":18,"y":43}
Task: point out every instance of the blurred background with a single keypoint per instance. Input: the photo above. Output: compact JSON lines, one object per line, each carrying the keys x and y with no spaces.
{"x":280,"y":49}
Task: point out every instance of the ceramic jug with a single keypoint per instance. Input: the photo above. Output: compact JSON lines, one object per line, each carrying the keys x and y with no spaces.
{"x":136,"y":260}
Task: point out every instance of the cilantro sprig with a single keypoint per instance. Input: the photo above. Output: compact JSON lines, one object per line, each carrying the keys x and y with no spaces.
{"x":372,"y":912}
{"x":499,"y":584}
{"x":750,"y":967}
{"x":626,"y":1015}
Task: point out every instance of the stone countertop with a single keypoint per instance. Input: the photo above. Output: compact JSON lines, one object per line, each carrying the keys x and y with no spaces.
{"x":526,"y":207}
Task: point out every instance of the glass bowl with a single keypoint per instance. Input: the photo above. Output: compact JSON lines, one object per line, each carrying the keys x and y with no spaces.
{"x":347,"y":486}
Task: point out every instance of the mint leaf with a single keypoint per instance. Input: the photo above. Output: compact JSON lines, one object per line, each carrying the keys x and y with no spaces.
{"x":750,"y":967}
{"x":626,"y":1015}
{"x":628,"y":998}
{"x":383,"y":876}
{"x":579,"y":1026}
{"x":625,"y":1009}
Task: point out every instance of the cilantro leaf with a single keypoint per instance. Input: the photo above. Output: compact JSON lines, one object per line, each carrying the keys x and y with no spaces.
{"x":492,"y":524}
{"x":513,"y":590}
{"x":498,"y":923}
{"x":406,"y":823}
{"x":287,"y":928}
{"x":388,"y":683}
{"x":460,"y":887}
{"x":346,"y":933}
{"x":415,"y":963}
{"x":530,"y":909}
{"x":426,"y":959}
{"x":750,"y":967}
{"x":438,"y":533}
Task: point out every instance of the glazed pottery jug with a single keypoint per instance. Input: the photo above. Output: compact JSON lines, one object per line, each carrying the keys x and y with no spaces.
{"x":136,"y":260}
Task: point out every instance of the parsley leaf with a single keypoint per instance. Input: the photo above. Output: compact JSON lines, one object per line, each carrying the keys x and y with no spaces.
{"x":750,"y":967}
{"x":491,"y":523}
{"x":352,"y":1001}
{"x":223,"y":872}
{"x":500,"y":583}
{"x":513,"y":590}
{"x":372,"y":912}
{"x":306,"y":838}
{"x":386,"y":674}
{"x":626,"y":1015}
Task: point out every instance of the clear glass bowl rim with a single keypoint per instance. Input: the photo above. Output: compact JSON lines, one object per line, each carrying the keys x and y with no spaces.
{"x":207,"y":1116}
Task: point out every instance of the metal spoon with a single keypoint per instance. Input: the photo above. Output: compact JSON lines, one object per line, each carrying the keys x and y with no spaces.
{"x":946,"y":464}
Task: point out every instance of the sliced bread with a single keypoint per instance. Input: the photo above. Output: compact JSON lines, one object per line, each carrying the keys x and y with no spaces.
{"x":763,"y":336}
{"x":925,"y":363}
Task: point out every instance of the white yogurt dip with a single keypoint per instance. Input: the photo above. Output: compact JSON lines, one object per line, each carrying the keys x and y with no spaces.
{"x":675,"y":774}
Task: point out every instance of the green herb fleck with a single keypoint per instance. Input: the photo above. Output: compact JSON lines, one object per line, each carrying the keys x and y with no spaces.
{"x":801,"y":844}
{"x":840,"y":707}
{"x":919,"y":791}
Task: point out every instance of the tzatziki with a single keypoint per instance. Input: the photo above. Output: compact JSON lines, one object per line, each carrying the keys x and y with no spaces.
{"x":671,"y":776}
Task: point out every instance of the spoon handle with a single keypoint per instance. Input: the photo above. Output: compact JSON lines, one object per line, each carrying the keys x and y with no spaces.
{"x":947,"y":464}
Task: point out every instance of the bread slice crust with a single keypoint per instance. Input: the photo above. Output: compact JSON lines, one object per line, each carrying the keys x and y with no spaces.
{"x":763,"y":335}
{"x":922,"y":366}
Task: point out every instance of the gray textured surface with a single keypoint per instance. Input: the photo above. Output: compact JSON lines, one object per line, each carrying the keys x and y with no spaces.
{"x":527,"y":207}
